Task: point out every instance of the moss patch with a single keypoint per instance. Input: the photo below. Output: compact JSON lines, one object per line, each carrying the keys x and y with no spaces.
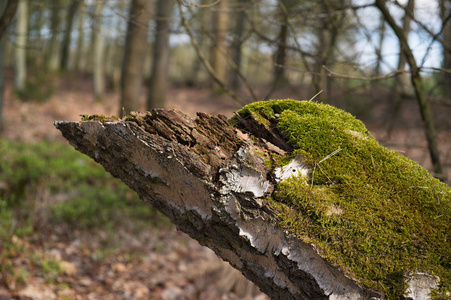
{"x":369,"y":210}
{"x":100,"y":118}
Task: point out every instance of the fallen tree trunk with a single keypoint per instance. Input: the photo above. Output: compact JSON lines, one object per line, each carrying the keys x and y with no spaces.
{"x":226,"y":187}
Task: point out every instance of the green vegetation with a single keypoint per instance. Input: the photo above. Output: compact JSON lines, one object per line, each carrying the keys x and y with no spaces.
{"x":79,"y":192}
{"x":100,"y":118}
{"x":369,"y":210}
{"x":51,"y":184}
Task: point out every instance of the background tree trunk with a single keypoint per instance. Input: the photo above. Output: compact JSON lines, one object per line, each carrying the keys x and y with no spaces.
{"x":417,"y":83}
{"x":401,"y":85}
{"x":445,"y":11}
{"x":331,"y":22}
{"x":204,"y":17}
{"x":220,"y":18}
{"x":53,"y":54}
{"x":7,"y":15}
{"x":81,"y":36}
{"x":21,"y":41}
{"x":135,"y":51}
{"x":98,"y":48}
{"x":65,"y":48}
{"x":280,"y":55}
{"x":160,"y":61}
{"x":236,"y":48}
{"x":8,"y":10}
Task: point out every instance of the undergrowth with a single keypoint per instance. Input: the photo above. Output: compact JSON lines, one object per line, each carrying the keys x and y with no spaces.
{"x":47,"y":184}
{"x":52,"y":183}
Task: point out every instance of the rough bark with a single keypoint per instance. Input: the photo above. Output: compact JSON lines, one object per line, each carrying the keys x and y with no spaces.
{"x":211,"y":183}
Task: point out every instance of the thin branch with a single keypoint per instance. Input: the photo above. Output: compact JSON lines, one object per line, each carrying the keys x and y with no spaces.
{"x":201,"y":5}
{"x":317,"y":94}
{"x":386,"y":76}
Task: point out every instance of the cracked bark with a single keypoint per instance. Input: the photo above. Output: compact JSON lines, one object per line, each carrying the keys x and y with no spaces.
{"x":211,"y":181}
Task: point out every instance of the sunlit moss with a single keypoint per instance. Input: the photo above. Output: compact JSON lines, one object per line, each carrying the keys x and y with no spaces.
{"x":100,"y":118}
{"x":369,"y":210}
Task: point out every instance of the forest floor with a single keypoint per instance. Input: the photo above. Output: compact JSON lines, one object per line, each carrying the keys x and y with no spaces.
{"x":148,"y":262}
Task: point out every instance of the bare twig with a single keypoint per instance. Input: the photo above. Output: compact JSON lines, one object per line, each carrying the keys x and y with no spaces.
{"x":201,"y":5}
{"x":316,"y":95}
{"x":325,"y":158}
{"x":386,"y":76}
{"x":204,"y":61}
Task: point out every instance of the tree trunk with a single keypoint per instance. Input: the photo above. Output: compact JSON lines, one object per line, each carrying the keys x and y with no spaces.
{"x":160,"y":60}
{"x":401,"y":84}
{"x":80,"y":39}
{"x":98,"y":48}
{"x":218,"y":48}
{"x":216,"y":183}
{"x":377,"y":68}
{"x":21,"y":41}
{"x":445,"y":11}
{"x":204,"y":17}
{"x":417,"y":82}
{"x":65,"y":48}
{"x":328,"y":32}
{"x":8,"y":10}
{"x":280,"y":56}
{"x":3,"y":22}
{"x":236,"y":49}
{"x":53,"y":54}
{"x":135,"y":51}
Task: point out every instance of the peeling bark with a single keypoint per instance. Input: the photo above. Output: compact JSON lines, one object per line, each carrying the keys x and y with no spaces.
{"x":212,"y":184}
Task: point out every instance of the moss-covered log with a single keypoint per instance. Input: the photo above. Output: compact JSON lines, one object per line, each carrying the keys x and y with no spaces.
{"x":297,"y":195}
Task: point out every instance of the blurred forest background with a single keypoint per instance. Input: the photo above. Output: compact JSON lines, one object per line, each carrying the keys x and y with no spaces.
{"x":68,"y":230}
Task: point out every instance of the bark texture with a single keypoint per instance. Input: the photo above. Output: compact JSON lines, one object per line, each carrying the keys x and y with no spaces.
{"x":210,"y":180}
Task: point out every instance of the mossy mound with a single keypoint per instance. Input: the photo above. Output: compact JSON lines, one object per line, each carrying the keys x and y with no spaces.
{"x":370,"y":211}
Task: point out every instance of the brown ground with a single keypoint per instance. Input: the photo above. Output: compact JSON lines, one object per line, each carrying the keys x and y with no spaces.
{"x":153,"y":264}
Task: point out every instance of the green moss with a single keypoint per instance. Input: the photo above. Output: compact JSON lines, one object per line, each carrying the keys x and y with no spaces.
{"x":100,"y":118}
{"x":369,"y":210}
